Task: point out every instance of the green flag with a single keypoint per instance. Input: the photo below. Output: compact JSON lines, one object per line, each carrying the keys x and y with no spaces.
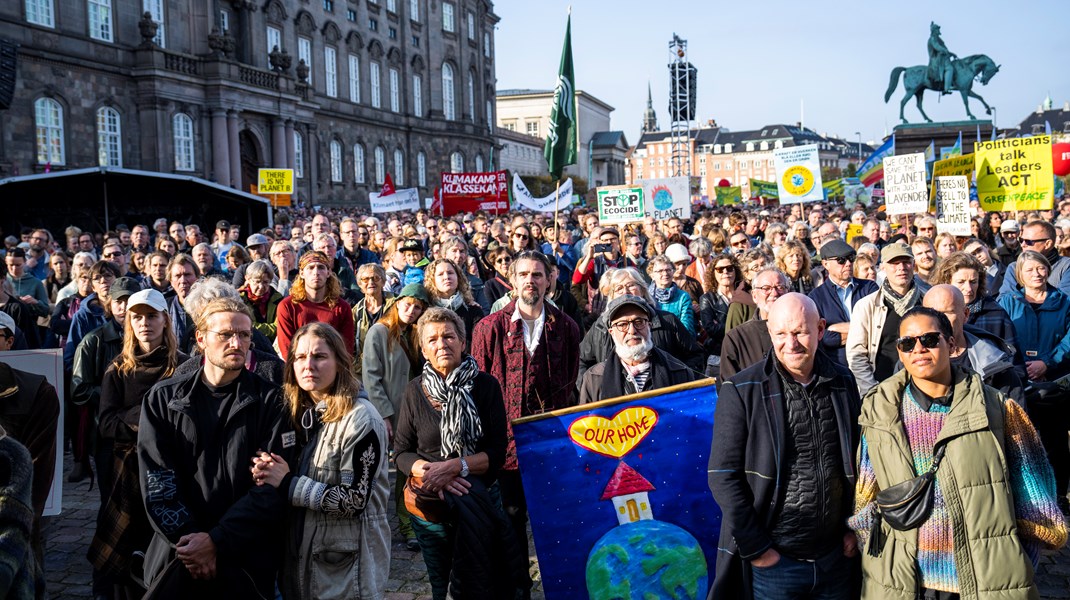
{"x":561,"y":137}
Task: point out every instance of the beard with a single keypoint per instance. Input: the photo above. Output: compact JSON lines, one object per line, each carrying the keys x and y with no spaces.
{"x":633,"y":353}
{"x":530,"y":297}
{"x":226,"y":363}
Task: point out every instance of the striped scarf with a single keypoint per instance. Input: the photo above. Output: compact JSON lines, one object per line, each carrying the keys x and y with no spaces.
{"x":460,"y":427}
{"x":901,"y":303}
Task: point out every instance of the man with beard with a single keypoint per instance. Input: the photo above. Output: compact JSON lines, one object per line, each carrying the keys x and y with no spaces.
{"x":636,"y":365}
{"x":316,"y":296}
{"x":182,"y":272}
{"x":532,"y":349}
{"x":197,"y":434}
{"x":924,"y":261}
{"x":1039,"y":236}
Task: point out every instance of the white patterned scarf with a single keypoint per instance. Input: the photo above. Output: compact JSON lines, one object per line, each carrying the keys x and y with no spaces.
{"x":461,"y":428}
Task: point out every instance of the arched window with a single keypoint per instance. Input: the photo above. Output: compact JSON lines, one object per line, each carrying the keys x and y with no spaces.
{"x":421,"y":169}
{"x":399,"y":167}
{"x":109,"y":137}
{"x":182,"y":130}
{"x":299,"y":155}
{"x":380,"y":165}
{"x":456,"y":162}
{"x":449,"y":107}
{"x":358,"y":163}
{"x":417,"y":96}
{"x":471,"y":84}
{"x":48,"y":115}
{"x":336,"y":161}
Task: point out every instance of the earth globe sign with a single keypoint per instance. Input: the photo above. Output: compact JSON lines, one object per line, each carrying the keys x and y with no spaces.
{"x":662,"y":198}
{"x":647,"y":559}
{"x":798,"y":180}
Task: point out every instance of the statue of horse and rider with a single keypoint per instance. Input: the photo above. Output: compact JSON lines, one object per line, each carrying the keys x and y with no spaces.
{"x":945,"y":73}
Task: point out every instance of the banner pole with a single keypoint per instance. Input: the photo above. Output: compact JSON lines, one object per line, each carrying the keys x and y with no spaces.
{"x":557,"y":201}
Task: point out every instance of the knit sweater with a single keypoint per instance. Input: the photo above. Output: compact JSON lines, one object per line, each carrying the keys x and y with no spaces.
{"x":1040,"y":524}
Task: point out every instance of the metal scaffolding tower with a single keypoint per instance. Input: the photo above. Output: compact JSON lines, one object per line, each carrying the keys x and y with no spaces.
{"x":682,"y":85}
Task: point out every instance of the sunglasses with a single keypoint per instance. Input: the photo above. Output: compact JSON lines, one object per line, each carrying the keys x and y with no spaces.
{"x":728,"y":269}
{"x":929,"y":340}
{"x":841,"y":260}
{"x":1026,"y":242}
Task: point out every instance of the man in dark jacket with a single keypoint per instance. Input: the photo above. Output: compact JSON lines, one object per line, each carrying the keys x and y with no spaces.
{"x":635,"y":365}
{"x":197,"y":435}
{"x":782,"y":467}
{"x":836,"y":297}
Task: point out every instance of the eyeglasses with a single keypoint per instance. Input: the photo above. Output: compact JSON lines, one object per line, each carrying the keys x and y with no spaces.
{"x":768,"y":289}
{"x":226,"y":336}
{"x":371,"y":279}
{"x":104,"y":278}
{"x":739,"y":243}
{"x":1026,"y":242}
{"x":626,"y":288}
{"x":909,"y":342}
{"x":503,"y":260}
{"x":663,"y":271}
{"x":640,"y":324}
{"x":841,"y":260}
{"x":521,"y":235}
{"x":727,"y":269}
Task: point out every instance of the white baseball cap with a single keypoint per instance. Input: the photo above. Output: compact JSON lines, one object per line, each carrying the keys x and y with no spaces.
{"x":6,"y":322}
{"x":151,"y":298}
{"x":677,"y":253}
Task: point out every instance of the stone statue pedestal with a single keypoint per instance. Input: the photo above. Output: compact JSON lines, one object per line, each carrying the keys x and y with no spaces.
{"x":915,"y":137}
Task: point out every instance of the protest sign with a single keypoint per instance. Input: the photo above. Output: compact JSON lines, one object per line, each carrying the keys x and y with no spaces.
{"x":1015,"y":174}
{"x":729,"y":196}
{"x":621,"y":204}
{"x":764,"y":189}
{"x":956,"y":165}
{"x":469,"y":192}
{"x":523,"y":197}
{"x":798,"y":174}
{"x":48,"y":364}
{"x":853,"y":230}
{"x":904,"y":184}
{"x":953,"y":204}
{"x":667,"y":198}
{"x":615,"y":503}
{"x":275,"y":181}
{"x":404,"y":199}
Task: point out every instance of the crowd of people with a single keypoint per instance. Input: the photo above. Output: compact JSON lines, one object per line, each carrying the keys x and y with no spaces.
{"x":239,"y":404}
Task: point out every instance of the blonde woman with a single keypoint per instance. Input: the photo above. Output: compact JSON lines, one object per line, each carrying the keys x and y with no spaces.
{"x":793,"y":258}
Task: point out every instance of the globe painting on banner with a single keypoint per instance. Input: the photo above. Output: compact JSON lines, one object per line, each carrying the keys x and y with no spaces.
{"x":618,"y":497}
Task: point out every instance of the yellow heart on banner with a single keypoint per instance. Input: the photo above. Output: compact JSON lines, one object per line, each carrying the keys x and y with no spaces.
{"x":614,"y":437}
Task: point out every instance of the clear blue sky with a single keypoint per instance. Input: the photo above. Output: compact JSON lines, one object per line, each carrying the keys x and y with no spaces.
{"x":757,"y":59}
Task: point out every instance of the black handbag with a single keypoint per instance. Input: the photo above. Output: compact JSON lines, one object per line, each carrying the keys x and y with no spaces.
{"x":906,"y":505}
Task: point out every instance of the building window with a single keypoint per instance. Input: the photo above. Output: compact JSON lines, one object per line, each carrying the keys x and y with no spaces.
{"x":395,"y":91}
{"x":109,"y":137}
{"x":304,"y":52}
{"x":358,"y":163}
{"x":328,"y":5}
{"x":486,"y":44}
{"x":48,"y":115}
{"x":380,"y":165}
{"x":224,"y":21}
{"x":449,"y":108}
{"x":421,"y":169}
{"x":392,"y":5}
{"x":399,"y":167}
{"x":447,"y":17}
{"x":414,"y":10}
{"x":299,"y":155}
{"x":351,"y":15}
{"x":417,"y":96}
{"x":354,"y":78}
{"x":155,"y":8}
{"x":377,"y":101}
{"x":471,"y":97}
{"x":330,"y":66}
{"x":40,"y":12}
{"x":456,"y":163}
{"x":471,"y":26}
{"x":336,"y":161}
{"x":373,"y":24}
{"x":274,"y":39}
{"x":392,"y":33}
{"x":415,"y":41}
{"x":532,"y":128}
{"x":182,"y":130}
{"x":490,"y":116}
{"x":479,"y":163}
{"x":100,"y":27}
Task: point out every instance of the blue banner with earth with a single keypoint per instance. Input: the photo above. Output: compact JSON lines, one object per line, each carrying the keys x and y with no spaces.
{"x":618,"y":498}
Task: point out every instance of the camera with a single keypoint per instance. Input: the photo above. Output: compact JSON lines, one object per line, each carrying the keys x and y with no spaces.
{"x":603,"y":247}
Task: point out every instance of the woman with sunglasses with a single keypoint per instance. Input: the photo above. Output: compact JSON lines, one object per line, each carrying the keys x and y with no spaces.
{"x":520,"y":240}
{"x":722,"y":281}
{"x":498,"y":285}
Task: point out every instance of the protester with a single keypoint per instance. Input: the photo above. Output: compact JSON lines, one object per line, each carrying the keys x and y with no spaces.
{"x":1039,"y":236}
{"x":182,"y":273}
{"x":1008,"y":252}
{"x":26,"y":286}
{"x":793,"y":259}
{"x":745,"y":345}
{"x":837,"y":296}
{"x":370,"y":308}
{"x":447,"y":287}
{"x":667,"y":295}
{"x":723,"y":279}
{"x":316,"y":297}
{"x":263,"y":300}
{"x":498,"y":285}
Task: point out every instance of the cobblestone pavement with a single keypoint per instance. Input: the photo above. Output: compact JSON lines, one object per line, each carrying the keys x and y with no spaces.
{"x":69,"y":575}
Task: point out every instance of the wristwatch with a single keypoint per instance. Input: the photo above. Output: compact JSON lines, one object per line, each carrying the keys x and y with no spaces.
{"x":464,"y":467}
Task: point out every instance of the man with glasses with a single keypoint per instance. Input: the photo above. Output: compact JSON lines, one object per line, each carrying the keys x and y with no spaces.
{"x":635,"y":365}
{"x":197,"y":434}
{"x":1039,"y":236}
{"x":37,"y":256}
{"x":927,"y":227}
{"x":633,"y":252}
{"x":115,"y":253}
{"x":837,"y":296}
{"x":875,"y":319}
{"x":739,"y":243}
{"x":1009,"y":233}
{"x":747,"y":343}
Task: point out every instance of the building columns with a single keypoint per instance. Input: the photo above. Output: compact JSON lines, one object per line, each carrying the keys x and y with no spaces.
{"x":291,"y":162}
{"x":235,"y":150}
{"x":278,"y":143}
{"x":220,"y":147}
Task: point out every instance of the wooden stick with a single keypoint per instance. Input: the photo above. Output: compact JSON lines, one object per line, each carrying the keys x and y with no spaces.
{"x":557,"y":202}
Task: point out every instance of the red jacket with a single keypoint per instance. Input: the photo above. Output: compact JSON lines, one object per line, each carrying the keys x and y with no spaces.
{"x":291,"y":316}
{"x":531,"y":383}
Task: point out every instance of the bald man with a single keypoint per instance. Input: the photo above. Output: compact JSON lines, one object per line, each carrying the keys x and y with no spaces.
{"x":975,"y":349}
{"x":786,"y":490}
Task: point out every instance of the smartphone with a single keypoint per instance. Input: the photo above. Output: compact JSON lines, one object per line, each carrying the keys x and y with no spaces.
{"x":603,"y":247}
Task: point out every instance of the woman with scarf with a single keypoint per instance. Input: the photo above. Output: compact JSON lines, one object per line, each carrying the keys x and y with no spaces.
{"x":498,"y":285}
{"x":448,"y":288}
{"x":965,"y":272}
{"x":793,"y":258}
{"x":338,"y":539}
{"x":667,"y":294}
{"x":261,"y":297}
{"x":451,"y":441}
{"x":371,"y":279}
{"x":150,"y":353}
{"x":392,"y":359}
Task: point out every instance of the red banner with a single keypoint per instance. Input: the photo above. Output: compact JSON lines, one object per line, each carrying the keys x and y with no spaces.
{"x":469,"y":192}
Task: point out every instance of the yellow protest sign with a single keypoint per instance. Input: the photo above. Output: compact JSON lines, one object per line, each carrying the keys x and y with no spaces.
{"x":275,"y":181}
{"x":1015,"y":174}
{"x":854,"y":229}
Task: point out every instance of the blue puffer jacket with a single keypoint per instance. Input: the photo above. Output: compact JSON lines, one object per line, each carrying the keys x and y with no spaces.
{"x":1043,"y":333}
{"x":679,"y":304}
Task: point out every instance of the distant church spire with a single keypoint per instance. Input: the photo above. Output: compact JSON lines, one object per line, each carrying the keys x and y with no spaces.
{"x":650,"y":118}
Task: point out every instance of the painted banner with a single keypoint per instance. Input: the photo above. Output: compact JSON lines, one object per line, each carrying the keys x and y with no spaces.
{"x":1015,"y":174}
{"x":667,"y":198}
{"x":48,"y":364}
{"x":547,"y":203}
{"x":833,"y":188}
{"x":618,"y":497}
{"x":905,"y":188}
{"x":403,"y":199}
{"x":798,"y":174}
{"x":469,"y":192}
{"x":953,"y":204}
{"x":621,"y":204}
{"x":764,"y":189}
{"x":871,"y":171}
{"x":729,"y":195}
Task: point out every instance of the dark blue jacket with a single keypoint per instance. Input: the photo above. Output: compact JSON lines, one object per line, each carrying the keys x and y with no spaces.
{"x":1044,"y":333}
{"x":831,"y":309}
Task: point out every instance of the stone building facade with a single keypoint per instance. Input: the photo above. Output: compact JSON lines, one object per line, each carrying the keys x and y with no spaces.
{"x":342,"y":91}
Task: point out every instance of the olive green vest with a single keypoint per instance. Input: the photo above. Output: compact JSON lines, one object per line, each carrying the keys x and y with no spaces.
{"x":989,"y":557}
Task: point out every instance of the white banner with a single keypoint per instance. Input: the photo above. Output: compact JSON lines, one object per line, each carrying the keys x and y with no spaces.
{"x":48,"y":364}
{"x":953,"y":204}
{"x":523,"y":197}
{"x":905,"y":189}
{"x":406,"y":199}
{"x":798,"y":174}
{"x":667,"y":198}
